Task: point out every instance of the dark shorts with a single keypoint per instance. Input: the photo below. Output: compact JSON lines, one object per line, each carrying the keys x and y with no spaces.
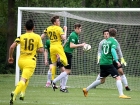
{"x":69,"y":58}
{"x":59,"y":64}
{"x":116,"y":66}
{"x":106,"y":70}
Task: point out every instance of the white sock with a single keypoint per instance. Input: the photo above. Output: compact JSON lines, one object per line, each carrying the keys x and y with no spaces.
{"x":124,"y":80}
{"x":119,"y":86}
{"x":94,"y":84}
{"x":63,"y":74}
{"x":49,"y":76}
{"x":64,"y":82}
{"x":98,"y":77}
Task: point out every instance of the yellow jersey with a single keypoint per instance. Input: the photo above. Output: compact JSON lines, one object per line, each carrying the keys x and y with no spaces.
{"x":54,"y":33}
{"x":29,"y":43}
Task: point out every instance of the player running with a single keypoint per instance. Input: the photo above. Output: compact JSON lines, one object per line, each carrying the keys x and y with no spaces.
{"x":30,"y":45}
{"x":119,"y":52}
{"x":106,"y":65}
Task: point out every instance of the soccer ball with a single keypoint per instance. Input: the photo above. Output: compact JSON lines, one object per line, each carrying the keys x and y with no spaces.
{"x":86,"y":47}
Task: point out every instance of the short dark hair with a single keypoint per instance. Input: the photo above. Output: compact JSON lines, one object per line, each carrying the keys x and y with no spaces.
{"x":105,"y":31}
{"x":29,"y":24}
{"x":53,"y":19}
{"x":77,"y":25}
{"x":112,"y":32}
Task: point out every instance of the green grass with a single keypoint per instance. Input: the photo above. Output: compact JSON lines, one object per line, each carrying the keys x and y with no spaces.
{"x":39,"y":95}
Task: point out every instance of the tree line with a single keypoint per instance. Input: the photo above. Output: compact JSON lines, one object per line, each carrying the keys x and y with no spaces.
{"x":8,"y":18}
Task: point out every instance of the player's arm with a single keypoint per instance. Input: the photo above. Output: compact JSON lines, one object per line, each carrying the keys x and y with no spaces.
{"x":99,"y":51}
{"x":120,"y":54}
{"x":46,"y":56}
{"x":114,"y":54}
{"x":72,"y":45}
{"x":11,"y":50}
{"x":40,"y":46}
{"x":64,"y":35}
{"x":44,"y":34}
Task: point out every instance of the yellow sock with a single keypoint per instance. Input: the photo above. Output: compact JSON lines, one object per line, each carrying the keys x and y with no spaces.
{"x":19,"y":87}
{"x":53,"y":72}
{"x":24,"y":87}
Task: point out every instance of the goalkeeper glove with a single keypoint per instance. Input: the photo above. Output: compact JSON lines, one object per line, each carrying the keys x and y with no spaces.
{"x":123,"y":61}
{"x":98,"y":59}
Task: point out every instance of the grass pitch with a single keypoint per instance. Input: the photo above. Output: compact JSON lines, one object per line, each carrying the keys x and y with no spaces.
{"x":46,"y":96}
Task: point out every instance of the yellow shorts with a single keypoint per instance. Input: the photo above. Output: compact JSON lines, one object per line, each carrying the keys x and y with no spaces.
{"x":27,"y":67}
{"x":54,"y":50}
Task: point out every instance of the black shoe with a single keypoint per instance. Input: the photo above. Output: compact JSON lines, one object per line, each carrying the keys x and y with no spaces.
{"x":11,"y":100}
{"x":64,"y":90}
{"x":54,"y":86}
{"x":127,"y":88}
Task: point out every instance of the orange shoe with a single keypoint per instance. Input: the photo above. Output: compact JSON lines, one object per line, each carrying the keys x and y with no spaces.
{"x":85,"y":92}
{"x":124,"y":97}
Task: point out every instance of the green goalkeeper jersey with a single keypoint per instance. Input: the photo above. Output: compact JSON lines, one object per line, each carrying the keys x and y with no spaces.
{"x":106,"y":55}
{"x":47,"y":46}
{"x":74,"y":38}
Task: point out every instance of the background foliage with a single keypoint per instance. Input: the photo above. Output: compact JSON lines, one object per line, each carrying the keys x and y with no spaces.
{"x":8,"y":18}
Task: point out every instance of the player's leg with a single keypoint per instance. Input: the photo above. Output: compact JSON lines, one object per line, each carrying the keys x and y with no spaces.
{"x":67,"y":70}
{"x":62,"y":55}
{"x":49,"y":74}
{"x":114,"y":73}
{"x":63,"y":74}
{"x":122,"y":75}
{"x":27,"y":68}
{"x":123,"y":78}
{"x":98,"y":77}
{"x":103,"y":75}
{"x":63,"y":82}
{"x":27,"y":73}
{"x":22,"y":94}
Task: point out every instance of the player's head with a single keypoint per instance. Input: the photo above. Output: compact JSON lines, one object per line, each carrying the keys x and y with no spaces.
{"x":106,"y":34}
{"x":29,"y":25}
{"x":112,"y":32}
{"x":55,"y":20}
{"x":77,"y":28}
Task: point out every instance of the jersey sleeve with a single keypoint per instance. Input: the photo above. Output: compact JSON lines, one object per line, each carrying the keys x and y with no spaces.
{"x":72,"y":39}
{"x":17,"y":40}
{"x":40,"y":42}
{"x":119,"y":51}
{"x":100,"y":48}
{"x":45,"y":31}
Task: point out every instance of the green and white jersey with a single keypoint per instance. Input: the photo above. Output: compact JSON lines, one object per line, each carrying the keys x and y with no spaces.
{"x":106,"y":55}
{"x":47,"y":46}
{"x":118,"y":49}
{"x":72,"y":38}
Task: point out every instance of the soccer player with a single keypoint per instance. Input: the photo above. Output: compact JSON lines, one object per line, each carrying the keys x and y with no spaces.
{"x":30,"y":44}
{"x":106,"y":65}
{"x":56,"y":34}
{"x":71,"y":43}
{"x":48,"y":62}
{"x":120,"y":70}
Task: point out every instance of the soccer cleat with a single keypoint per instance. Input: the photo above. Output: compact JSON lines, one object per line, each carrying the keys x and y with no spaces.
{"x":64,"y":90}
{"x":22,"y":96}
{"x":13,"y":98}
{"x":124,"y":97}
{"x":127,"y":88}
{"x":85,"y":92}
{"x":48,"y":84}
{"x":54,"y":86}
